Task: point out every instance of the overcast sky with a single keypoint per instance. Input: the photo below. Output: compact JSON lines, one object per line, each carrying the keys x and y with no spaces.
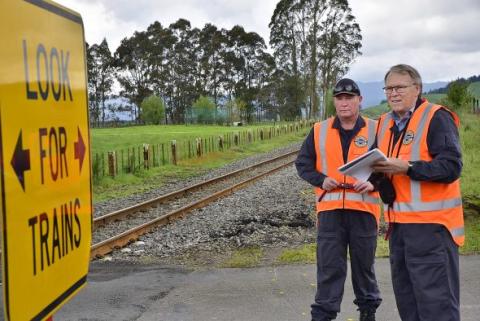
{"x":440,"y":38}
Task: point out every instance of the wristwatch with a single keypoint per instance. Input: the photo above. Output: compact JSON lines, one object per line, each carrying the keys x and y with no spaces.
{"x":410,"y":165}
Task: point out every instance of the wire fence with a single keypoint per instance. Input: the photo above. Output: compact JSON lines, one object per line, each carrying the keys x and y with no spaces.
{"x":146,"y":156}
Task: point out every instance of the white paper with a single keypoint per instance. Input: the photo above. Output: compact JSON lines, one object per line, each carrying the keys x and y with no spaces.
{"x":360,"y":167}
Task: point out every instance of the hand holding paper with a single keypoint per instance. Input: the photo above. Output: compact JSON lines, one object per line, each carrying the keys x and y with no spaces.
{"x":361,"y":167}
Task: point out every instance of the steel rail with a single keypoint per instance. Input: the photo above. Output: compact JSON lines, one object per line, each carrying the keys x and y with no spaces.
{"x":107,"y":246}
{"x":122,"y":213}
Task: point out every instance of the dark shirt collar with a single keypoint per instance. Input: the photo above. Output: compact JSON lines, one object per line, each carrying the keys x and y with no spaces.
{"x":360,"y":123}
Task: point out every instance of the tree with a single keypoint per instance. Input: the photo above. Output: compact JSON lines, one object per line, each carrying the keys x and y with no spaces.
{"x":458,"y":97}
{"x":100,"y":79}
{"x":339,"y":47}
{"x":212,"y":45}
{"x":204,"y":110}
{"x":314,"y":41}
{"x":153,"y":110}
{"x":135,"y":72}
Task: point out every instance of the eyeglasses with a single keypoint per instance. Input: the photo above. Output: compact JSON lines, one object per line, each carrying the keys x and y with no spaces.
{"x":398,"y":89}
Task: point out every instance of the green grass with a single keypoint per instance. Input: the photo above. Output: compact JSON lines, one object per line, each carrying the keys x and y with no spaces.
{"x":474,"y":89}
{"x":144,"y":180}
{"x":305,"y":254}
{"x":434,"y":98}
{"x":110,"y":139}
{"x":375,"y":111}
{"x":244,"y":258}
{"x":469,"y":135}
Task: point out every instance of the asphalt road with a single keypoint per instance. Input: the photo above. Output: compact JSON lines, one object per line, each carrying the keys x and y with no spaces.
{"x":284,"y":293}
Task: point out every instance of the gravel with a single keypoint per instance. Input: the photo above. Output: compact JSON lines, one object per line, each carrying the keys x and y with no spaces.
{"x":273,"y":213}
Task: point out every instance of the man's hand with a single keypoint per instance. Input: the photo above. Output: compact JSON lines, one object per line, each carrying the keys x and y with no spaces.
{"x":363,"y":187}
{"x":329,"y":184}
{"x":391,"y":166}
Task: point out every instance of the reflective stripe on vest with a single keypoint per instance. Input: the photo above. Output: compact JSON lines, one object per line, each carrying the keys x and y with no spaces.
{"x":384,"y":126}
{"x":459,"y":231}
{"x":338,"y":196}
{"x":415,"y":156}
{"x":419,"y":206}
{"x":371,"y":132}
{"x":322,"y":144}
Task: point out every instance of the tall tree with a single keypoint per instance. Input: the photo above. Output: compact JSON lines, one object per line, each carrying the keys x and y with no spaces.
{"x":339,"y":46}
{"x":183,"y":67}
{"x":314,"y":41}
{"x":212,"y":45}
{"x":136,"y":68}
{"x":285,"y":40}
{"x":100,"y":79}
{"x":247,"y":54}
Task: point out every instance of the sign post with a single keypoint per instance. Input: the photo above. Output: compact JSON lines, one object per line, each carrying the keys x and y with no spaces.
{"x":45,"y":177}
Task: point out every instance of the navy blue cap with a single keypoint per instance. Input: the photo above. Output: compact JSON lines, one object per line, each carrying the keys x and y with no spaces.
{"x":346,"y":86}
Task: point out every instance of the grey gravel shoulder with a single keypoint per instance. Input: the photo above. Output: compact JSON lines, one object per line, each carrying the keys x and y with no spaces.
{"x":105,"y":207}
{"x":276,"y":212}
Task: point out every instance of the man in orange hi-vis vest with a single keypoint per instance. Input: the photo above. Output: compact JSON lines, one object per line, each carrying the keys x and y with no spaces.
{"x":426,"y":217}
{"x":348,"y":210}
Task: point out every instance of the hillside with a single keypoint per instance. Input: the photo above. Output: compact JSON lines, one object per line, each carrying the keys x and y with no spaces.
{"x":474,"y":89}
{"x":373,"y":94}
{"x":376,"y":111}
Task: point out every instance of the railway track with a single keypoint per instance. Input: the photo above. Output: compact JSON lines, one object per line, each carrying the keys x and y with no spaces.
{"x":114,"y":230}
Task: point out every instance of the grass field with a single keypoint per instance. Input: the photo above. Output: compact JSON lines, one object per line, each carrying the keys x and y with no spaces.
{"x":474,"y":89}
{"x":110,"y":139}
{"x":144,"y":180}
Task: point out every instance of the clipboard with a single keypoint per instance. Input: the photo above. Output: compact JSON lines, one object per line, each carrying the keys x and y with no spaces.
{"x":360,"y":167}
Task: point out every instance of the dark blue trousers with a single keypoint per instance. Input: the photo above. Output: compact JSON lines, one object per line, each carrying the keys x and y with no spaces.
{"x":425,"y":272}
{"x":339,"y":230}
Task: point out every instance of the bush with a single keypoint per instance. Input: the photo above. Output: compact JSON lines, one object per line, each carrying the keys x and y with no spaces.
{"x":204,"y":110}
{"x":458,"y":97}
{"x":153,"y":110}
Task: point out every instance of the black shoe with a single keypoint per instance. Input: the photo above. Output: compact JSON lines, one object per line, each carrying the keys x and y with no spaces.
{"x":367,"y":315}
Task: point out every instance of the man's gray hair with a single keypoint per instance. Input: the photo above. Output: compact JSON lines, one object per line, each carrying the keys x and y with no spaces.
{"x":404,"y":69}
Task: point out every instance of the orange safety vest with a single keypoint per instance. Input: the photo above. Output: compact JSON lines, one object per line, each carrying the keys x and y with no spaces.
{"x":421,"y":201}
{"x":328,"y":148}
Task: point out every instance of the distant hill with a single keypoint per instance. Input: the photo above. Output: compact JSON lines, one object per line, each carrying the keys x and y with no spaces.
{"x":375,"y":111}
{"x":474,"y":89}
{"x":372,"y":92}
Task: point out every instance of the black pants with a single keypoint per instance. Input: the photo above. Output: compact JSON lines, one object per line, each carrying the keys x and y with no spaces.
{"x":425,"y":272}
{"x":339,"y":230}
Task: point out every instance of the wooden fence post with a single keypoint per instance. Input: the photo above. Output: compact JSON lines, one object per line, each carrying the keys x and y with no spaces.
{"x":174,"y":152}
{"x":146,"y":154}
{"x":220,"y":142}
{"x":198,"y":146}
{"x":112,"y":163}
{"x":250,"y":136}
{"x":236,"y":139}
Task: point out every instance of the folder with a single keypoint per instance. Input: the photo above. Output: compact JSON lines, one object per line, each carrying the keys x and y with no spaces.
{"x":361,"y":167}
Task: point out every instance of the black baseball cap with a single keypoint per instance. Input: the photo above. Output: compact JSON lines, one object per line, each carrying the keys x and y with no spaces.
{"x":346,"y":86}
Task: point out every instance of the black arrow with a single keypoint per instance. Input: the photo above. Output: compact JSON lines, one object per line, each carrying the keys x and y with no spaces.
{"x":79,"y":149}
{"x":20,"y":161}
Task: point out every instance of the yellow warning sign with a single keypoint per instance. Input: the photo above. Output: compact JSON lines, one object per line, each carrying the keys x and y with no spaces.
{"x":45,"y":178}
